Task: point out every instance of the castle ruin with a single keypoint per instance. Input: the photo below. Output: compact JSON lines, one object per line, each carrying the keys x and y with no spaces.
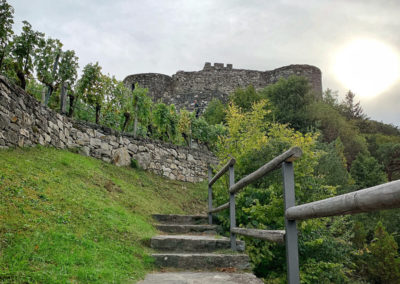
{"x":216,"y":81}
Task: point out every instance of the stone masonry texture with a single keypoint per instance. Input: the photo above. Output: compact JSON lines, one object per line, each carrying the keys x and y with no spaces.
{"x":216,"y":81}
{"x":25,"y":122}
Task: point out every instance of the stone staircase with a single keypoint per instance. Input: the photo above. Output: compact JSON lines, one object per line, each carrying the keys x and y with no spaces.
{"x":191,"y":244}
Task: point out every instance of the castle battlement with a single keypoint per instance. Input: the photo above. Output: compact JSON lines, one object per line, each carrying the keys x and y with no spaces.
{"x":216,"y":66}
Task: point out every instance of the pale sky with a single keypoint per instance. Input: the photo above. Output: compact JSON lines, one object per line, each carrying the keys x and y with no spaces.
{"x":165,"y":36}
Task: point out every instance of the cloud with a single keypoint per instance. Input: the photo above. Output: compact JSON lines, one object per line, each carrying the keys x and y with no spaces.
{"x":131,"y":36}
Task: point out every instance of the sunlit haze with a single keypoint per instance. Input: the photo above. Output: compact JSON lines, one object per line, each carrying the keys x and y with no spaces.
{"x":367,"y":67}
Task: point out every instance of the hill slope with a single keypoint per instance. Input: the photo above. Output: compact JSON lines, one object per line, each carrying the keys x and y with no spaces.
{"x":68,"y":218}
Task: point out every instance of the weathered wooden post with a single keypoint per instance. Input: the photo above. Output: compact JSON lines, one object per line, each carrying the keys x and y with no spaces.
{"x":292,"y":251}
{"x":232,"y":209}
{"x":209,"y":195}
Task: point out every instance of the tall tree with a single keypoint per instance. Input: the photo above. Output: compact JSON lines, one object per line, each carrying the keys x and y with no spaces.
{"x":350,"y":109}
{"x":141,"y":106}
{"x":91,"y":87}
{"x":67,"y":72}
{"x":46,"y":60}
{"x":6,"y":22}
{"x":24,"y":46}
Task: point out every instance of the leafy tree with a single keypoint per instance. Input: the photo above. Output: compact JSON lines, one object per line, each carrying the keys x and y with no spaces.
{"x":91,"y":86}
{"x":68,"y":73}
{"x":389,"y":154}
{"x":46,"y":61}
{"x":332,"y":166}
{"x":215,"y":112}
{"x":185,"y":126}
{"x":165,"y":120}
{"x":24,"y":47}
{"x":367,"y":172}
{"x":383,"y":259}
{"x":6,"y":31}
{"x":142,"y":106}
{"x":245,"y":98}
{"x":290,"y":99}
{"x":333,"y":125}
{"x":119,"y":102}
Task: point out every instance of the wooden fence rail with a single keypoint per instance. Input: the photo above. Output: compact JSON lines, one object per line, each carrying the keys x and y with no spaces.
{"x":380,"y":197}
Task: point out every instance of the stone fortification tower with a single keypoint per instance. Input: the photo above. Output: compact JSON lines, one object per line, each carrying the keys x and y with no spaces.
{"x":216,"y":81}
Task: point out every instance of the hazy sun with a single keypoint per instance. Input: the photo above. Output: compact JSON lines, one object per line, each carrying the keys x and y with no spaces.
{"x":367,"y":67}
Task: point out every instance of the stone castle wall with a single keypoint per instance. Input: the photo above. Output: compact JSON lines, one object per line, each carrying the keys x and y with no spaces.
{"x":217,"y":81}
{"x":25,"y":122}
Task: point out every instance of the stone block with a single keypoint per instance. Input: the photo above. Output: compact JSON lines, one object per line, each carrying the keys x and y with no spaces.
{"x":95,"y":142}
{"x":121,"y":157}
{"x":133,"y":148}
{"x":143,"y":159}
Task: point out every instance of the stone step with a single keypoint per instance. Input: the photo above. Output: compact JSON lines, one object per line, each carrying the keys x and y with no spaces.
{"x":201,"y":261}
{"x":201,"y":277}
{"x":181,"y":219}
{"x":192,"y":243}
{"x":187,"y":229}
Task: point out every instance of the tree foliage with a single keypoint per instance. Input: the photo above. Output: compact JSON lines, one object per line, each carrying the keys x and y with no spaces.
{"x":290,"y":99}
{"x":92,"y":87}
{"x":47,"y":58}
{"x":367,"y":172}
{"x":215,"y":112}
{"x":6,"y":31}
{"x":165,"y":120}
{"x":24,"y":48}
{"x":245,"y":98}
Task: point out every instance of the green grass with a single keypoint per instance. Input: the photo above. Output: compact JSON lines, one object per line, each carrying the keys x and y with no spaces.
{"x":66,"y":218}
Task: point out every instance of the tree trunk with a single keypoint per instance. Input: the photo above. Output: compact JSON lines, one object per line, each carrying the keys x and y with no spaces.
{"x":127,"y":116}
{"x":71,"y":104}
{"x":21,"y":77}
{"x":98,"y":108}
{"x":135,"y":122}
{"x":186,"y":138}
{"x":51,"y":88}
{"x":48,"y":94}
{"x":1,"y":60}
{"x":63,"y":99}
{"x":43,"y":96}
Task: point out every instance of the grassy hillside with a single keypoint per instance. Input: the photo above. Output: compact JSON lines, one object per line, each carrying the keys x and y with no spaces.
{"x":65,"y":218}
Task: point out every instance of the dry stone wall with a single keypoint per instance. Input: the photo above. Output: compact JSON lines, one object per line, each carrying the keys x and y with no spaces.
{"x":25,"y":122}
{"x":217,"y":81}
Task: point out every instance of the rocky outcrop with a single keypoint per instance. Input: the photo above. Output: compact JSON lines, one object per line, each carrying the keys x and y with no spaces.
{"x":25,"y":122}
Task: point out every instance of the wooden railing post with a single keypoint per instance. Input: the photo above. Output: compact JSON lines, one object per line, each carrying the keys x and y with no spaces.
{"x":292,"y":251}
{"x":210,"y":197}
{"x":232,"y":210}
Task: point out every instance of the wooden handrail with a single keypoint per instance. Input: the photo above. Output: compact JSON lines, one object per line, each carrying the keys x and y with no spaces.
{"x":231,"y":162}
{"x":220,"y":208}
{"x":288,"y":156}
{"x":277,"y":236}
{"x":380,"y":197}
